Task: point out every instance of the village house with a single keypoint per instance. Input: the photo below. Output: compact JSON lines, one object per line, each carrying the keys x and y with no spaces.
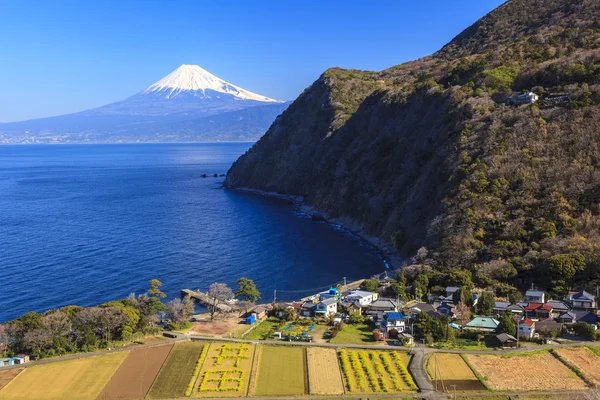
{"x":308,"y":309}
{"x":328,"y":294}
{"x":326,"y":307}
{"x":558,"y":306}
{"x":363,"y":297}
{"x":259,"y":311}
{"x":582,"y":300}
{"x":4,"y":362}
{"x":527,"y":98}
{"x":446,"y":308}
{"x":547,"y":326}
{"x":382,"y":305}
{"x":484,"y":324}
{"x":392,"y":320}
{"x":526,"y":328}
{"x":450,"y":290}
{"x":539,"y":311}
{"x":506,"y":340}
{"x":568,"y":317}
{"x":535,"y":296}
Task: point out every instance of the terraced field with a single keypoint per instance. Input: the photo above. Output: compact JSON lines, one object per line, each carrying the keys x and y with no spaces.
{"x":281,"y":370}
{"x":225,"y":371}
{"x":174,"y":377}
{"x":583,"y":359}
{"x":73,"y":379}
{"x":324,"y":373}
{"x":446,"y":370}
{"x":370,"y":371}
{"x":8,"y":375}
{"x":525,"y":371}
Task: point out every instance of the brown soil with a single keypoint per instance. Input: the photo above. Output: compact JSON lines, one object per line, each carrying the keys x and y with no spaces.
{"x":8,"y":375}
{"x":223,"y":326}
{"x":134,"y":377}
{"x":462,"y":385}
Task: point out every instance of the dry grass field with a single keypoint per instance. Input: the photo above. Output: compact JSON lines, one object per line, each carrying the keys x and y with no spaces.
{"x":176,"y":373}
{"x":8,"y":375}
{"x":452,"y":370}
{"x":225,"y":371}
{"x":525,"y":371}
{"x":583,"y":359}
{"x":324,"y":374}
{"x":73,"y":379}
{"x":371,"y":371}
{"x":281,"y":371}
{"x":136,"y":374}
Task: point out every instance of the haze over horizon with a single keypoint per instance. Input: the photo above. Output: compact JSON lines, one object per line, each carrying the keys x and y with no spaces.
{"x":71,"y":56}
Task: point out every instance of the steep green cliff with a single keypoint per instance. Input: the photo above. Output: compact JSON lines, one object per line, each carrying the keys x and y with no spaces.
{"x":428,"y":153}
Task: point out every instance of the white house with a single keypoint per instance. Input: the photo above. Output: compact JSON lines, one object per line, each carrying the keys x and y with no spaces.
{"x":535,"y":296}
{"x":363,"y":298}
{"x":527,"y":98}
{"x":393,"y":320}
{"x":326,"y":307}
{"x":526,"y":328}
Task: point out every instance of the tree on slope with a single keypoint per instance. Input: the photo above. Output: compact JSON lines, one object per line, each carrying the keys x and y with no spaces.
{"x":247,"y":291}
{"x":486,"y":303}
{"x":507,"y":325}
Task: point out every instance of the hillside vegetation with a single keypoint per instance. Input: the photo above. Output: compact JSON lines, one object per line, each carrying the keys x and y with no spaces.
{"x":428,"y":156}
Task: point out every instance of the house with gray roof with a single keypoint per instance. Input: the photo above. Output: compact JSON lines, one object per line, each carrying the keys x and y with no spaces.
{"x":326,"y":307}
{"x":535,"y":296}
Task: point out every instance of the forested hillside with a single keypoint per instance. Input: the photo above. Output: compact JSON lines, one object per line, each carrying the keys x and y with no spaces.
{"x":430,"y":157}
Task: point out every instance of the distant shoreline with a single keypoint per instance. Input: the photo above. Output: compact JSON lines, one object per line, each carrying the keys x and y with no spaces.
{"x":390,"y":258}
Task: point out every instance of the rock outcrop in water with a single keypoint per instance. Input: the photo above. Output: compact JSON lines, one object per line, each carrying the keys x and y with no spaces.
{"x":428,"y":153}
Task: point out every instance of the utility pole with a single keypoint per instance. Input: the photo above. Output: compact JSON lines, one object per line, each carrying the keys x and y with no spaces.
{"x":344,"y":284}
{"x":454,"y":386}
{"x":274,"y":296}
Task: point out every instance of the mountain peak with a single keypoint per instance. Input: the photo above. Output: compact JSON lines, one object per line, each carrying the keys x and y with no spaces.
{"x":194,"y":78}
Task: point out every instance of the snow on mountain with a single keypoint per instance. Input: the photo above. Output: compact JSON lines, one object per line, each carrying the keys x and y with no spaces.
{"x":194,"y":78}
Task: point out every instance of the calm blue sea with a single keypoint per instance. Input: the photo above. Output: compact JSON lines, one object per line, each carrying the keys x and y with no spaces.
{"x":84,"y":224}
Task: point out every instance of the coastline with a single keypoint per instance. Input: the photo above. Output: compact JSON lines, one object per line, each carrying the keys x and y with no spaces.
{"x":390,"y":258}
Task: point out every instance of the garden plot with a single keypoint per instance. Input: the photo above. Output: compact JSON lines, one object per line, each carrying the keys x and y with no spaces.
{"x":525,"y":371}
{"x":176,"y":374}
{"x":584,"y":360}
{"x":73,"y":379}
{"x":281,"y":370}
{"x":225,"y":371}
{"x":371,"y":371}
{"x":136,"y":374}
{"x":451,"y":370}
{"x":324,"y":375}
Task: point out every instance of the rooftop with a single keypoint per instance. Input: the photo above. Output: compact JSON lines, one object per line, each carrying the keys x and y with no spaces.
{"x":483,"y":322}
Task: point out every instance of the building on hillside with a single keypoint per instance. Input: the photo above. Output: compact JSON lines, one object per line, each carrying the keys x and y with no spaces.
{"x":526,"y":328}
{"x":535,"y":296}
{"x":484,"y":324}
{"x":259,"y":311}
{"x":500,"y":307}
{"x":547,"y":326}
{"x":326,"y":307}
{"x":568,"y":317}
{"x":392,"y":320}
{"x":527,"y":98}
{"x":582,"y":300}
{"x":363,"y":297}
{"x":558,"y":306}
{"x":446,"y":308}
{"x":450,"y":290}
{"x":308,"y":309}
{"x":417,"y":308}
{"x":21,"y":359}
{"x":586,"y":316}
{"x":382,"y":305}
{"x":539,"y":311}
{"x":506,"y":340}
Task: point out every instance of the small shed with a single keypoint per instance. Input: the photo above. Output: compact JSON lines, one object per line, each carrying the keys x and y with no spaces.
{"x":6,"y":362}
{"x":251,"y":319}
{"x":507,"y":340}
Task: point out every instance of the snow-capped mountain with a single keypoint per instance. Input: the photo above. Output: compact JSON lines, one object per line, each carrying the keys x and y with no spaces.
{"x":182,"y":106}
{"x":201,"y":83}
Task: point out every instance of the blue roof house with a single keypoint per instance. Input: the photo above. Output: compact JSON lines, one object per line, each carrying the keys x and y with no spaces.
{"x":393,"y":320}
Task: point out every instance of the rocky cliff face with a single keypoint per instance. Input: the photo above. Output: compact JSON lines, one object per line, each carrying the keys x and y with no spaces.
{"x":428,"y":153}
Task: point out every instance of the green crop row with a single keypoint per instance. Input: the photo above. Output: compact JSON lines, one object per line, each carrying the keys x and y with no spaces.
{"x":346,"y":370}
{"x":188,"y":391}
{"x":403,"y":371}
{"x":360,"y":380}
{"x":387,"y":364}
{"x":380,"y":371}
{"x":364,"y":359}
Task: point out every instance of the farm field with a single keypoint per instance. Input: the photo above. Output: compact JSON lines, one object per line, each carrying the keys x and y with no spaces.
{"x":538,"y":370}
{"x":135,"y":375}
{"x":175,"y":375}
{"x":263,"y":329}
{"x":454,"y":371}
{"x":73,"y":379}
{"x":583,"y":359}
{"x":355,"y":334}
{"x":225,"y":371}
{"x":370,"y":371}
{"x":8,"y":375}
{"x":281,"y":370}
{"x":323,"y":371}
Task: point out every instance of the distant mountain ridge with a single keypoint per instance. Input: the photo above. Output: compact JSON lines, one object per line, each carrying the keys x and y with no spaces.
{"x":428,"y":157}
{"x":179,"y":107}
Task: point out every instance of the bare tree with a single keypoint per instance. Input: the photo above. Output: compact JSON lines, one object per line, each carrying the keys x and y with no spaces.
{"x":3,"y":338}
{"x":179,"y":311}
{"x":464,"y":313}
{"x":218,"y":294}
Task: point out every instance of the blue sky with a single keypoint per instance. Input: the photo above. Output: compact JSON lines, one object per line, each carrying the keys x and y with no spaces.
{"x":66,"y":56}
